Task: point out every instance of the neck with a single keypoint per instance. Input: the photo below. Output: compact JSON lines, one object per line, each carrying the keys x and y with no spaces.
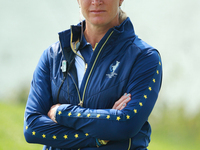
{"x":94,"y":34}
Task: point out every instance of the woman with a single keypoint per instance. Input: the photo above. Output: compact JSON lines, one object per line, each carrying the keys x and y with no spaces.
{"x":96,"y":87}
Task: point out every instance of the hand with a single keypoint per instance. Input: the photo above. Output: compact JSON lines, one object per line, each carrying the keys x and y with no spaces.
{"x":122,"y":102}
{"x":52,"y":112}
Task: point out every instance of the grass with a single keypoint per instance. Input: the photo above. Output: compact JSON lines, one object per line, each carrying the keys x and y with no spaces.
{"x":170,"y":131}
{"x":11,"y":128}
{"x":174,"y":130}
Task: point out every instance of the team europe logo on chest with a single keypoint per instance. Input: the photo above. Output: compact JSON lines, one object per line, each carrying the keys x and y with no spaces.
{"x":113,"y":68}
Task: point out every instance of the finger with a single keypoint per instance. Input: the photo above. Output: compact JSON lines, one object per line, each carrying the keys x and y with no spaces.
{"x":123,"y":98}
{"x":55,"y":106}
{"x":123,"y":104}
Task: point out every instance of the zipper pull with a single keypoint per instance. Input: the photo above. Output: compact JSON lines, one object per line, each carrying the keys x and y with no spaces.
{"x":81,"y":103}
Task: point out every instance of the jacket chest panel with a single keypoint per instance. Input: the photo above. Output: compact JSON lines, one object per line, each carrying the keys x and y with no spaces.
{"x":108,"y":81}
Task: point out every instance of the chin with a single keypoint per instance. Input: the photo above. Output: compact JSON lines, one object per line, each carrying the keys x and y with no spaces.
{"x":98,"y":21}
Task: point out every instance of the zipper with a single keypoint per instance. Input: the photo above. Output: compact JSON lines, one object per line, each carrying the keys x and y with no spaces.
{"x":77,"y":89}
{"x":86,"y":65}
{"x":72,"y":46}
{"x":93,"y":68}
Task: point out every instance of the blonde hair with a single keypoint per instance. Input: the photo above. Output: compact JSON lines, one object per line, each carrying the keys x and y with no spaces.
{"x":122,"y":15}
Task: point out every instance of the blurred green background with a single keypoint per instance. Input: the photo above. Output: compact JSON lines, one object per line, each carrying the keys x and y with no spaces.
{"x":173,"y":27}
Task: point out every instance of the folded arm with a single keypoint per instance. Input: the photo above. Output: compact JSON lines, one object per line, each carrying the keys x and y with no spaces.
{"x":112,"y":124}
{"x":38,"y":127}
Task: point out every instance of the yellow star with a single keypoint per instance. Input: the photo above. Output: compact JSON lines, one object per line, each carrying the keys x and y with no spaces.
{"x":26,"y":127}
{"x":59,"y":112}
{"x":128,"y":117}
{"x":135,"y":110}
{"x":150,"y":89}
{"x":118,"y":118}
{"x":76,"y":135}
{"x":145,"y":96}
{"x":54,"y":137}
{"x":44,"y":136}
{"x":98,"y":115}
{"x":69,"y":114}
{"x":140,"y":103}
{"x":157,"y":72}
{"x":160,"y":63}
{"x":65,"y":136}
{"x":33,"y":132}
{"x":79,"y":114}
{"x":88,"y":115}
{"x":86,"y":134}
{"x":154,"y":80}
{"x":108,"y":117}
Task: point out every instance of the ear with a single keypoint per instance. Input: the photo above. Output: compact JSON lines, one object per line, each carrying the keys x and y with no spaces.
{"x":120,"y":2}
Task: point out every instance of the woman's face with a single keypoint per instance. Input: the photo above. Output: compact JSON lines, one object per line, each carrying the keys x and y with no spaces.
{"x":101,"y":12}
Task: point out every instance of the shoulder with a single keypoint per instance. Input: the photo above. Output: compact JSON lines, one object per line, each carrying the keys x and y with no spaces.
{"x":53,"y":50}
{"x":145,"y":51}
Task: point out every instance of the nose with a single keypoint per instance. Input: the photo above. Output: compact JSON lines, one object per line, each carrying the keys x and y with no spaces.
{"x":96,"y":2}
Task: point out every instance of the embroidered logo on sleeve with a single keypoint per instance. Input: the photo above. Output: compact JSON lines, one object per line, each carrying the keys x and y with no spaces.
{"x":113,"y":68}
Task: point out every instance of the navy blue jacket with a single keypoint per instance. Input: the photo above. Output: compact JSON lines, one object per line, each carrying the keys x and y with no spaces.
{"x":121,"y":63}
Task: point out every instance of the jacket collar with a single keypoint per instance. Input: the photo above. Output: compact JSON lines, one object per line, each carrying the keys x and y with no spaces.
{"x":71,"y":38}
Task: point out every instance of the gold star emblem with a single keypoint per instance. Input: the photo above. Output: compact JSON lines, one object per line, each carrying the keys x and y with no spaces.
{"x":150,"y":89}
{"x":76,"y":135}
{"x":157,"y":72}
{"x":54,"y":137}
{"x":65,"y":136}
{"x":135,"y":110}
{"x":59,"y":112}
{"x":154,"y":80}
{"x":140,"y":103}
{"x":79,"y":114}
{"x":69,"y":114}
{"x":26,"y":127}
{"x":44,"y":136}
{"x":108,"y":117}
{"x":118,"y":118}
{"x":160,"y":63}
{"x":145,"y":96}
{"x":86,"y":134}
{"x":88,"y":115}
{"x":98,"y":115}
{"x":33,"y":132}
{"x":128,"y":117}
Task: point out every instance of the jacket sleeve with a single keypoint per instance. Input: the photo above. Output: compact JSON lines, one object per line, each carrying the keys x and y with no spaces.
{"x":38,"y":127}
{"x":110,"y":124}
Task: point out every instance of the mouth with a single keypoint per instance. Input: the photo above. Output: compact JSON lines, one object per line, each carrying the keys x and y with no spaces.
{"x":97,"y":11}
